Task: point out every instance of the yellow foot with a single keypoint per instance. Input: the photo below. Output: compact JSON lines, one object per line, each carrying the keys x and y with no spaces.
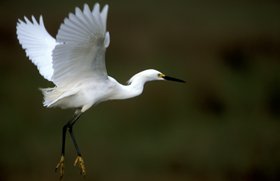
{"x":60,"y":166}
{"x":81,"y":164}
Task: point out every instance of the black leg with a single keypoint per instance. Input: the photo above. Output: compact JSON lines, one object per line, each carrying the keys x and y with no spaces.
{"x":77,"y":115}
{"x":60,"y":164}
{"x":68,"y":126}
{"x":74,"y":140}
{"x":79,"y":160}
{"x":64,"y":129}
{"x":70,"y":129}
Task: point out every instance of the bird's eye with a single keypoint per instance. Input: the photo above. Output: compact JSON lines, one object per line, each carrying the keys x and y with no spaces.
{"x":160,"y":75}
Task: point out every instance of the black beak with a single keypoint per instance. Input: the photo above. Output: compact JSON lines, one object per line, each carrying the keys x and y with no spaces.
{"x":172,"y":79}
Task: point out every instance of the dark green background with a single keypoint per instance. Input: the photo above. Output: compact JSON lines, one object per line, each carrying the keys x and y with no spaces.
{"x":223,"y":124}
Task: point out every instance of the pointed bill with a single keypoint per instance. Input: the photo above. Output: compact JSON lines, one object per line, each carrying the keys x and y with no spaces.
{"x":172,"y":79}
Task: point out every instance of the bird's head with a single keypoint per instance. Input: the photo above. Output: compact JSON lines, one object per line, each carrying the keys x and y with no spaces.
{"x":151,"y":75}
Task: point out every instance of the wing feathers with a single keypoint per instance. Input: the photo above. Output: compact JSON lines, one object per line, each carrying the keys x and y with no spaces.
{"x":82,"y":52}
{"x":38,"y":44}
{"x":103,"y":15}
{"x":78,"y":51}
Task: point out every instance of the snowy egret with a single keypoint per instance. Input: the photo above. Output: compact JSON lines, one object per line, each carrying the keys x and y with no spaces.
{"x":75,"y":63}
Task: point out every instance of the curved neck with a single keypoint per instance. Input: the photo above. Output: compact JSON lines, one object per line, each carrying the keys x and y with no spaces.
{"x":133,"y":89}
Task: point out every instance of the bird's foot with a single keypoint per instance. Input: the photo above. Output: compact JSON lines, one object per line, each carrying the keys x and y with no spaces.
{"x":60,"y":166}
{"x":81,"y":164}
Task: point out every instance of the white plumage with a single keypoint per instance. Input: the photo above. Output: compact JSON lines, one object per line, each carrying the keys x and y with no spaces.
{"x":83,"y":41}
{"x":75,"y":56}
{"x":75,"y":63}
{"x":38,"y":44}
{"x":75,"y":60}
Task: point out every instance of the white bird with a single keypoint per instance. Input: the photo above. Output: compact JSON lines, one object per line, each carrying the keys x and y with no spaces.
{"x":75,"y":63}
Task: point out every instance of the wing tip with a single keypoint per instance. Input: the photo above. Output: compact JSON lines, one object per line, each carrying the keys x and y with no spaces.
{"x":105,"y":7}
{"x":41,"y":21}
{"x":96,"y":8}
{"x":86,"y":6}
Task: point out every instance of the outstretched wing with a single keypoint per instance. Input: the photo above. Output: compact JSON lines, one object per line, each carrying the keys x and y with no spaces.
{"x":82,"y":40}
{"x":38,"y":44}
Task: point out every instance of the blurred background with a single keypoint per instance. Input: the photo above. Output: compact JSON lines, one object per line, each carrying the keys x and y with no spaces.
{"x":223,"y":124}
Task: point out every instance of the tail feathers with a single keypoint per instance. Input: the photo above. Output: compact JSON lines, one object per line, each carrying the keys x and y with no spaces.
{"x":51,"y":96}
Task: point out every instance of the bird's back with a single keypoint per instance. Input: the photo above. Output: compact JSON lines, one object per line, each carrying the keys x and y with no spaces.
{"x":81,"y":95}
